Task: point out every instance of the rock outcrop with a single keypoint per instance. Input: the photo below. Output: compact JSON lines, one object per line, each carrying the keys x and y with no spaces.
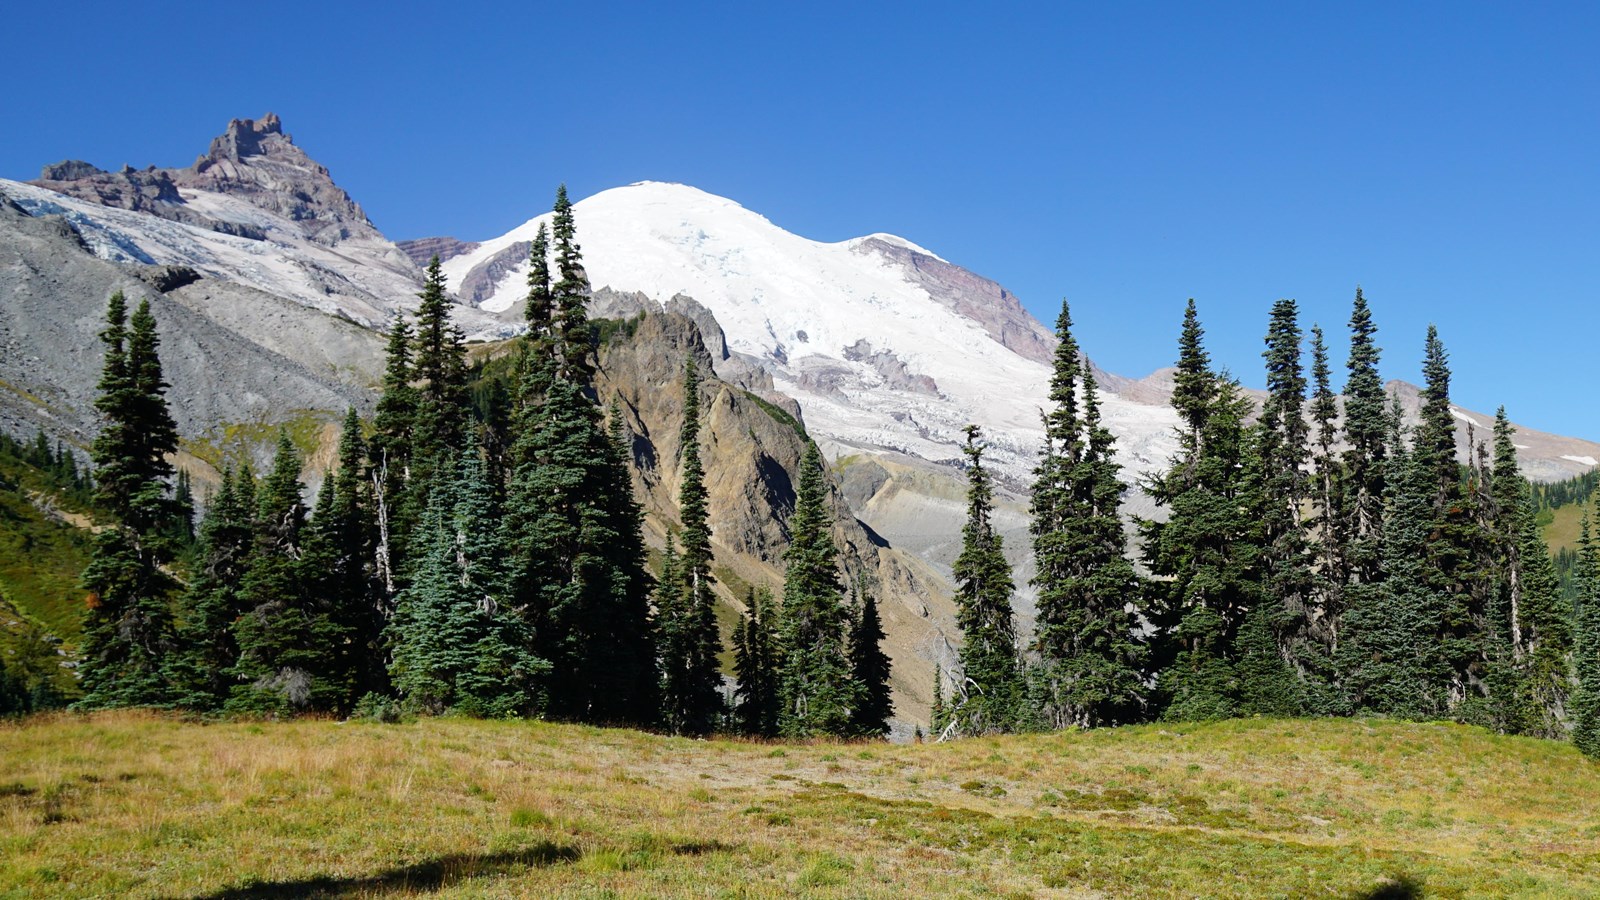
{"x":750,"y":450}
{"x":422,"y":250}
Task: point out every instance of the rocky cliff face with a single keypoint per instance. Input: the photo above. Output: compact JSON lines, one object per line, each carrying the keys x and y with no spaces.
{"x":422,"y":250}
{"x":750,"y":448}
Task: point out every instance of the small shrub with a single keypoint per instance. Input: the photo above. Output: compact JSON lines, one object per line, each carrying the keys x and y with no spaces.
{"x":984,"y":789}
{"x":526,"y":817}
{"x":375,"y":707}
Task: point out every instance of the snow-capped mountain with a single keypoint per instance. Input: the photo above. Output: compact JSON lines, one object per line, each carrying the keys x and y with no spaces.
{"x":888,"y":347}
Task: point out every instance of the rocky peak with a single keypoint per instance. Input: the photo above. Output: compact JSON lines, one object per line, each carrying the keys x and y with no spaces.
{"x":70,"y":170}
{"x":243,"y":137}
{"x":253,"y":161}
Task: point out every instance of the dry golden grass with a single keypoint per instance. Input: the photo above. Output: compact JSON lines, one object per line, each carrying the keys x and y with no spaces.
{"x":139,"y":805}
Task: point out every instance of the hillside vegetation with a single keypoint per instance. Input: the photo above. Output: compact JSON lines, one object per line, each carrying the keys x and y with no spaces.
{"x":132,"y":804}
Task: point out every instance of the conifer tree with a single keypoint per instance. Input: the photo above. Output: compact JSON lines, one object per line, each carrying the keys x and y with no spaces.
{"x":1328,"y":522}
{"x":457,"y":645}
{"x":182,"y":525}
{"x":569,"y":295}
{"x":988,"y":692}
{"x":537,"y":311}
{"x":1289,"y":617}
{"x":128,"y":631}
{"x":575,"y":534}
{"x":1458,"y":584}
{"x":1527,"y":595}
{"x":390,"y":457}
{"x":206,"y":648}
{"x":869,"y":667}
{"x":690,"y":644}
{"x":1585,"y":707}
{"x":1089,"y":668}
{"x":439,"y":371}
{"x":13,"y":693}
{"x":755,"y":665}
{"x":1392,"y":657}
{"x":1194,"y":384}
{"x":815,"y":685}
{"x":339,"y":562}
{"x":578,"y":564}
{"x":289,"y":659}
{"x":629,"y":684}
{"x":1209,"y":549}
{"x":576,"y":529}
{"x":1363,"y":468}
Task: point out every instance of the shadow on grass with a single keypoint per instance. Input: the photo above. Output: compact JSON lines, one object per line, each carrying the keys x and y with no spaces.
{"x":1401,"y":887}
{"x":428,"y":875}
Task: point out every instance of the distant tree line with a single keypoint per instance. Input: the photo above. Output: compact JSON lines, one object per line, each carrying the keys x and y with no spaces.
{"x":1324,"y":559}
{"x":476,"y":551}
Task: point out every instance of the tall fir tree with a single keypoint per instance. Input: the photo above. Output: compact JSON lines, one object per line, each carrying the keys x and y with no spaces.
{"x":439,"y":374}
{"x":539,"y":343}
{"x":630,"y":683}
{"x":755,"y":665}
{"x":1194,"y":384}
{"x":579,"y":563}
{"x":575,"y":527}
{"x":390,"y":458}
{"x":1527,"y":598}
{"x":1289,"y":618}
{"x":1363,"y":467}
{"x":689,"y":641}
{"x":289,"y":641}
{"x":457,"y":646}
{"x":988,"y":694}
{"x":1209,"y":550}
{"x":129,"y":629}
{"x":1585,"y":705}
{"x":569,"y":295}
{"x":1328,"y":526}
{"x":869,"y":666}
{"x":1392,"y":658}
{"x":198,"y":669}
{"x":340,"y":563}
{"x":1089,"y":670}
{"x":817,"y":691}
{"x":1457,"y":581}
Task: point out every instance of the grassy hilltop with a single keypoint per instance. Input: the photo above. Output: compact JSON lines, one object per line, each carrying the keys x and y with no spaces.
{"x":138,"y":805}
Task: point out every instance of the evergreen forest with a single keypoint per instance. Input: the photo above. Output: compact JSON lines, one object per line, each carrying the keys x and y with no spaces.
{"x":477,"y":550}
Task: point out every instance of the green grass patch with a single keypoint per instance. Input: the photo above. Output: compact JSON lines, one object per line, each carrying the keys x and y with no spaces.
{"x":778,"y":415}
{"x":140,"y":805}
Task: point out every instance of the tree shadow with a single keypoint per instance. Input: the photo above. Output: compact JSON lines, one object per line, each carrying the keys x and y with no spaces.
{"x":433,"y":874}
{"x":428,"y":875}
{"x":1399,"y":887}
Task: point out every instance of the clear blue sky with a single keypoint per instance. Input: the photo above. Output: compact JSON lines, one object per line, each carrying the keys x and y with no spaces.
{"x":1446,"y":156}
